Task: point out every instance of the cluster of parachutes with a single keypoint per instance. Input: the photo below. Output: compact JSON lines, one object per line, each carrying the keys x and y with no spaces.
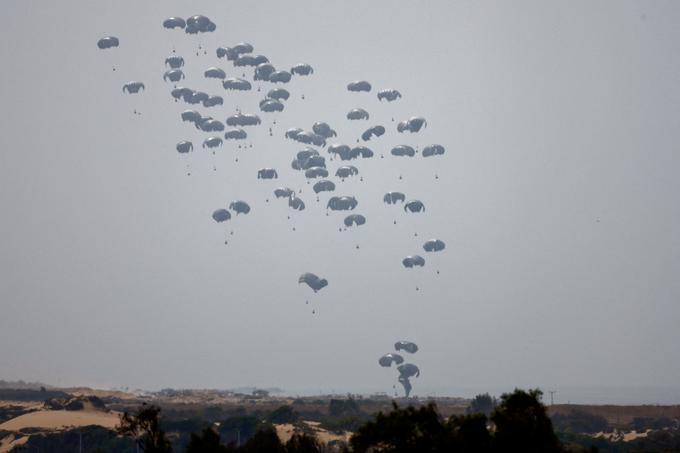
{"x":308,"y":161}
{"x":193,"y":25}
{"x":406,"y":370}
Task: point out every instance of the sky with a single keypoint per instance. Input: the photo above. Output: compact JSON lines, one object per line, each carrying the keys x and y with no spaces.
{"x":557,"y":199}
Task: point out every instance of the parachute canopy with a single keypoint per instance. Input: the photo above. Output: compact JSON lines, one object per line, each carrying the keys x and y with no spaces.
{"x":108,"y":42}
{"x":407,"y":346}
{"x":243,"y":119}
{"x":199,"y":24}
{"x":301,"y":69}
{"x":346,"y":171}
{"x":375,"y":131}
{"x":213,"y":101}
{"x":296,"y":203}
{"x":306,"y":137}
{"x":279,"y":77}
{"x":267,"y":173}
{"x":243,"y":47}
{"x":283,"y":192}
{"x":354,"y":219}
{"x":278,"y":94}
{"x":342,"y":203}
{"x":234,"y":83}
{"x":434,"y":245}
{"x":212,"y":142}
{"x":228,"y":52}
{"x":192,"y":116}
{"x":433,"y":150}
{"x":133,"y":87}
{"x":362,"y":151}
{"x":174,"y":22}
{"x":173,"y":75}
{"x":263,"y":71}
{"x":235,"y":134}
{"x":388,"y":359}
{"x":239,"y":206}
{"x":414,"y":206}
{"x":408,"y":370}
{"x":214,"y":73}
{"x":308,"y":158}
{"x":413,"y":260}
{"x":250,"y":60}
{"x":313,"y":281}
{"x":403,"y":150}
{"x":185,"y":147}
{"x":174,"y":61}
{"x":324,"y":130}
{"x":394,"y":197}
{"x":342,"y":151}
{"x":221,"y":215}
{"x":389,"y":95}
{"x":271,"y":105}
{"x":324,"y":186}
{"x":357,"y":114}
{"x":209,"y":125}
{"x":413,"y":124}
{"x":359,"y":85}
{"x":232,"y":53}
{"x":316,"y":172}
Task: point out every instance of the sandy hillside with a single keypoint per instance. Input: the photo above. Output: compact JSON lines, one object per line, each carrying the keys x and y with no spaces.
{"x":100,"y":393}
{"x":24,"y":404}
{"x":11,"y":441}
{"x":62,"y":419}
{"x":285,"y":432}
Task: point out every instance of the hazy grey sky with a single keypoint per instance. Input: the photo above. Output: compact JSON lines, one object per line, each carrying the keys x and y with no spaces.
{"x":557,"y":198}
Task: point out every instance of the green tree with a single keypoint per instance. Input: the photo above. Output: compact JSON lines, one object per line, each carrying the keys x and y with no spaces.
{"x":481,"y":404}
{"x":468,"y":433}
{"x":522,"y":424}
{"x":145,"y":428}
{"x":284,"y":414}
{"x":207,"y":442}
{"x":264,"y":440}
{"x":337,"y":408}
{"x":302,"y":443}
{"x":239,"y":428}
{"x":579,"y":422}
{"x":408,"y":430}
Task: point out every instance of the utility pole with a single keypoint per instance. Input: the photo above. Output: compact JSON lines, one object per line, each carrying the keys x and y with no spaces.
{"x":552,"y":392}
{"x":80,"y":442}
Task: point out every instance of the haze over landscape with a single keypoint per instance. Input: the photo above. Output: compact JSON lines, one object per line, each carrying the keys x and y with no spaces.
{"x":557,"y":199}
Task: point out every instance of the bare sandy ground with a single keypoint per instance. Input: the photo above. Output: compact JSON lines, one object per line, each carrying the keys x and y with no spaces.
{"x":285,"y":432}
{"x":618,"y":436}
{"x":619,"y":416}
{"x":54,"y":420}
{"x":32,"y":405}
{"x":100,"y":393}
{"x":11,"y":441}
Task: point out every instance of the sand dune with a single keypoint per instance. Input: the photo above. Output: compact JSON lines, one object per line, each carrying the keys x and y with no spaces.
{"x":11,"y":441}
{"x":285,"y":432}
{"x":62,"y":419}
{"x":100,"y":393}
